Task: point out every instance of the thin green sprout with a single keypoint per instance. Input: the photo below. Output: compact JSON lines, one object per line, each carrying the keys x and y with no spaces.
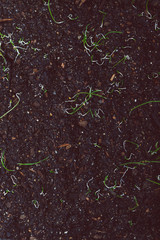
{"x":139,"y":163}
{"x":137,"y":205}
{"x":104,"y":37}
{"x":72,"y":19}
{"x":156,"y":149}
{"x":2,"y":157}
{"x":156,"y":101}
{"x":90,"y":94}
{"x":130,"y":223}
{"x":147,"y":5}
{"x":104,"y":14}
{"x":137,"y":145}
{"x":153,"y":181}
{"x":85,"y":36}
{"x":1,"y":55}
{"x":29,"y":164}
{"x":106,"y":178}
{"x":17,"y":95}
{"x":96,"y":145}
{"x":122,"y":60}
{"x":52,"y":15}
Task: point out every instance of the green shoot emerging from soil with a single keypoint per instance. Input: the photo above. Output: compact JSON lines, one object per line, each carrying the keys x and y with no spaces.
{"x":126,"y":57}
{"x":104,"y":14}
{"x":156,"y":101}
{"x":94,"y":46}
{"x":30,"y":164}
{"x":88,"y":96}
{"x":153,"y":181}
{"x":137,"y":205}
{"x":144,"y":162}
{"x":17,"y":95}
{"x":3,"y":162}
{"x":152,"y":152}
{"x":52,"y":15}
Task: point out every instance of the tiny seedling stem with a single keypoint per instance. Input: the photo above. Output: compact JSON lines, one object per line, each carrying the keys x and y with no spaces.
{"x":155,"y":101}
{"x":153,"y":181}
{"x":17,"y":95}
{"x":29,"y":164}
{"x":52,"y":15}
{"x":3,"y":162}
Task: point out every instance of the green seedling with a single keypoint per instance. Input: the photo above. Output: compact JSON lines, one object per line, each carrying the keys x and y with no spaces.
{"x":71,"y":18}
{"x":124,"y":59}
{"x":156,"y":101}
{"x":30,"y":164}
{"x":130,"y":223}
{"x":106,"y":178}
{"x":22,"y":42}
{"x":36,"y":204}
{"x":35,"y":49}
{"x":52,"y":15}
{"x":128,"y":141}
{"x":3,"y":162}
{"x":88,"y":95}
{"x":42,"y":193}
{"x":15,"y":48}
{"x":149,"y":15}
{"x":18,"y":28}
{"x":153,"y":181}
{"x":1,"y":55}
{"x":154,"y":151}
{"x":17,"y":95}
{"x":113,"y":187}
{"x":87,"y":185}
{"x":104,"y":14}
{"x":2,"y":36}
{"x":96,"y":145}
{"x":104,"y":37}
{"x":85,"y":37}
{"x":144,"y":162}
{"x":98,"y":194}
{"x":6,"y":192}
{"x":137,"y":205}
{"x":156,"y":26}
{"x":89,"y":190}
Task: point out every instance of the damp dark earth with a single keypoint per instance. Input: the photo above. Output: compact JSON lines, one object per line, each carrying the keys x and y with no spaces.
{"x":79,"y":120}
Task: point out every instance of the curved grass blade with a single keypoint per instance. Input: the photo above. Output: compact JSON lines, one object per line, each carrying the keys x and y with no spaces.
{"x":17,"y":95}
{"x":30,"y":164}
{"x":152,"y":101}
{"x":153,"y":181}
{"x":2,"y":157}
{"x":139,"y":163}
{"x":52,"y":15}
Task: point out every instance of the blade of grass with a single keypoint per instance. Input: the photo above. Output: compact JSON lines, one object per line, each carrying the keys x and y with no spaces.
{"x":153,"y":181}
{"x":139,"y":163}
{"x":52,"y":15}
{"x":2,"y":157}
{"x":17,"y":95}
{"x":97,"y":43}
{"x":29,"y":164}
{"x":156,"y":101}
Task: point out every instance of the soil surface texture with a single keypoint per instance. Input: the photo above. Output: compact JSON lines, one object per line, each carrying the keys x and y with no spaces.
{"x":80,"y":120}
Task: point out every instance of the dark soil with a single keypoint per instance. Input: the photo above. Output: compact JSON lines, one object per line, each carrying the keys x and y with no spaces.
{"x":81,"y":191}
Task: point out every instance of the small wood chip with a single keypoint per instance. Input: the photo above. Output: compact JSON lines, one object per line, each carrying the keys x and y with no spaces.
{"x":66,"y":145}
{"x":113,"y":76}
{"x":6,"y":20}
